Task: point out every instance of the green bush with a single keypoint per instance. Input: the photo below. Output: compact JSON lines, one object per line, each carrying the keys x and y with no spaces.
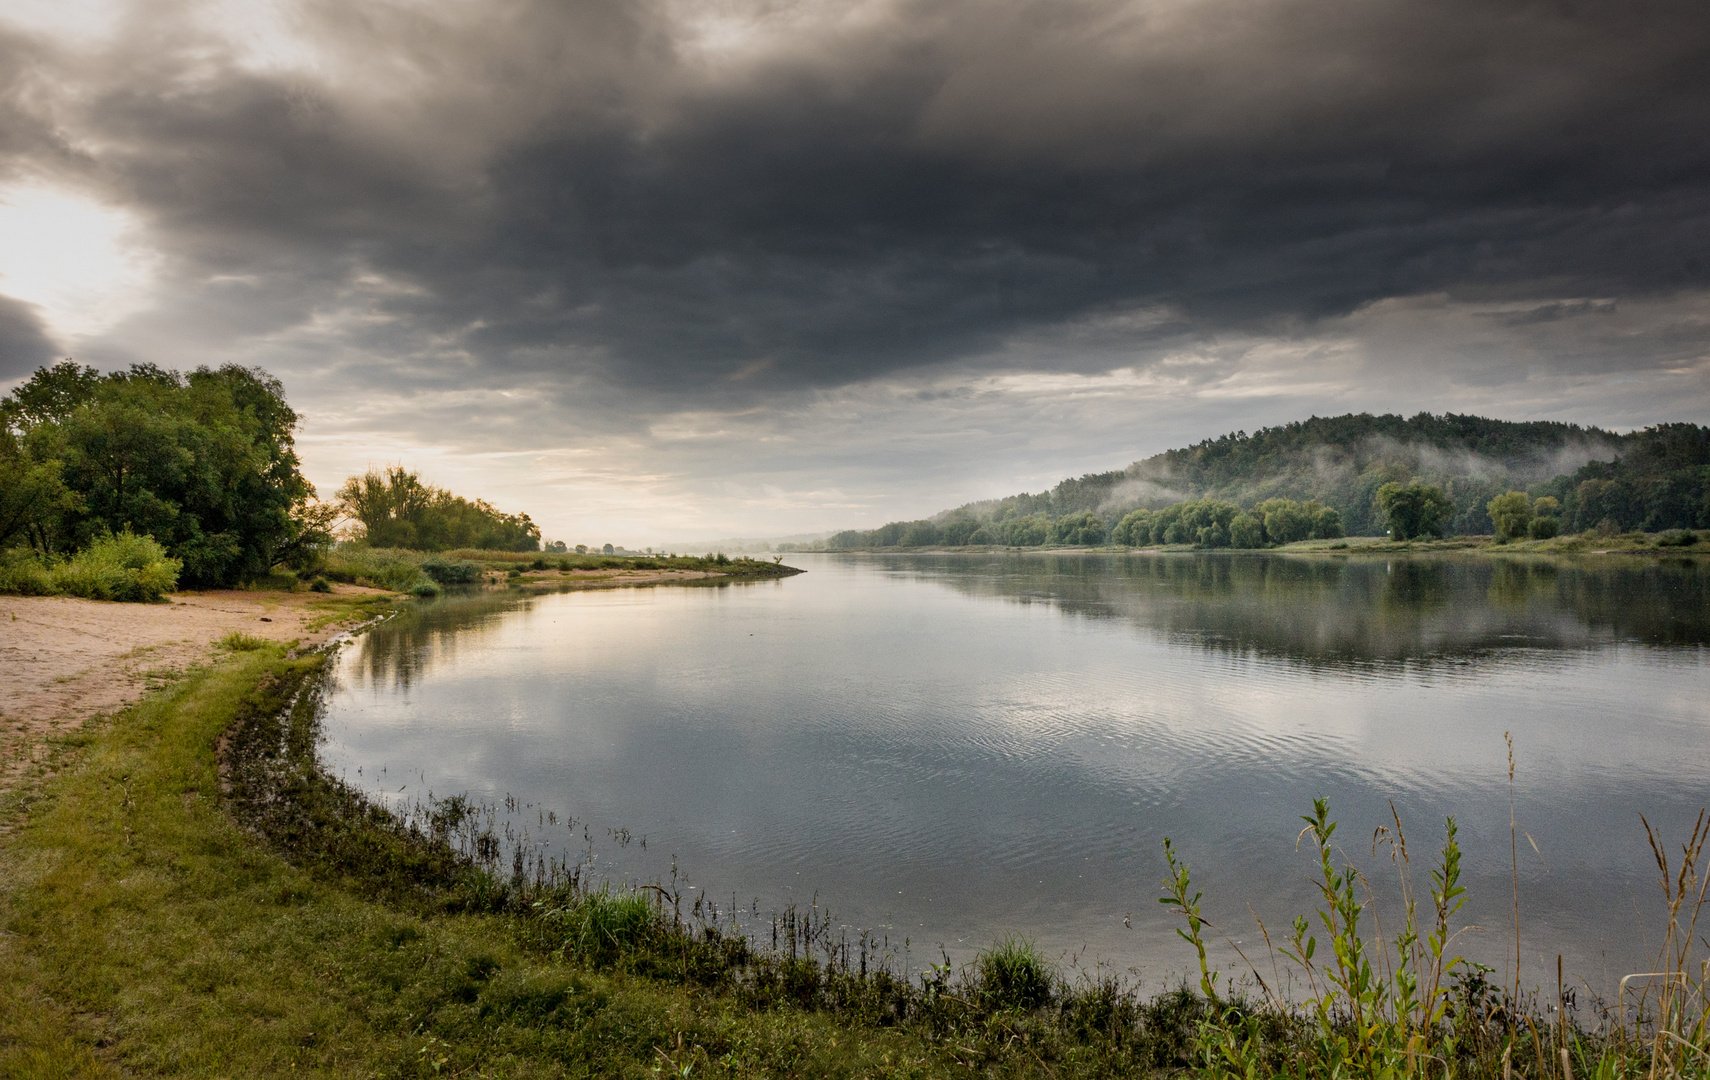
{"x":385,"y":568}
{"x":453,"y":571}
{"x":22,"y":573}
{"x":1677,"y":538}
{"x":123,"y":567}
{"x":601,"y":926}
{"x":1012,"y":975}
{"x":1544,"y":528}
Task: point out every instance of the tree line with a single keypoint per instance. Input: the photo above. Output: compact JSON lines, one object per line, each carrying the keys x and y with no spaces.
{"x":1653,"y":480}
{"x":395,"y":508}
{"x":195,"y":476}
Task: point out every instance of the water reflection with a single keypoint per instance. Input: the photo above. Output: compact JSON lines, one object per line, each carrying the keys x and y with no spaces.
{"x":946,"y":747}
{"x":1355,"y":610}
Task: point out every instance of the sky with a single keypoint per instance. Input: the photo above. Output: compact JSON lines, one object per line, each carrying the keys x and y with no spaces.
{"x":657,"y":270}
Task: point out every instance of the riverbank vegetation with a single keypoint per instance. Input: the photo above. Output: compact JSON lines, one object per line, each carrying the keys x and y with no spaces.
{"x":192,"y":896}
{"x":427,"y":573}
{"x":202,"y":463}
{"x":122,"y":567}
{"x":393,"y":508}
{"x":1440,"y":472}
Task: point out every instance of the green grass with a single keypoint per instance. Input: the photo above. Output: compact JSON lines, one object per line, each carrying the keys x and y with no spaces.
{"x":238,"y":641}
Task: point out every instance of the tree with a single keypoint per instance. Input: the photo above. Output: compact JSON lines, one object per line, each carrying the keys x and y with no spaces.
{"x":204,"y":463}
{"x":1134,"y":530}
{"x":1511,"y":513}
{"x":397,"y":509}
{"x":1413,"y":510}
{"x":1078,"y":530}
{"x":1284,"y":520}
{"x":1031,"y":530}
{"x":1246,"y":531}
{"x":1327,"y":524}
{"x":1546,"y":521}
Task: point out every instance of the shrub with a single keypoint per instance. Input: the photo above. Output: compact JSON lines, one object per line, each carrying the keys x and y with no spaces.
{"x":238,"y":641}
{"x":1544,"y":528}
{"x":385,"y":568}
{"x":453,"y":571}
{"x":125,"y":567}
{"x":22,"y":574}
{"x":1677,"y":538}
{"x":601,"y":926}
{"x":1012,"y":975}
{"x":424,"y":589}
{"x":320,"y":585}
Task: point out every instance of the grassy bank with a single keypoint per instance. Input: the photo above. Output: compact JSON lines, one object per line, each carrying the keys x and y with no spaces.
{"x":425,"y":573}
{"x":160,"y":915}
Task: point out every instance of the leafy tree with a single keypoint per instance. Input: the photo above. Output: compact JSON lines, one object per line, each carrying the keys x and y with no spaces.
{"x":396,"y":509}
{"x":1413,"y":510}
{"x":1029,"y":531}
{"x":958,"y":532}
{"x":920,"y":534}
{"x":1284,"y":520}
{"x":1078,"y":530}
{"x":203,"y":462}
{"x":1247,"y":531}
{"x":1511,"y":513}
{"x":1134,"y":530}
{"x":1327,"y":524}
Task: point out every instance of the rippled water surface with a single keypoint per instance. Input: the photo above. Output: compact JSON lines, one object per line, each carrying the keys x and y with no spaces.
{"x":945,"y":748}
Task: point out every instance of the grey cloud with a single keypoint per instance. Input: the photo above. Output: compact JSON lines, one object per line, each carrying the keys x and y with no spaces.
{"x":577,"y":190}
{"x":24,"y":344}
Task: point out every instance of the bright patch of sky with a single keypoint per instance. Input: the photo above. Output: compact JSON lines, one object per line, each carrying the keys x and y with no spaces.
{"x":79,"y":262}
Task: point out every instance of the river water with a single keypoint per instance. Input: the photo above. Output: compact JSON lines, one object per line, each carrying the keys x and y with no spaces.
{"x":946,"y":748}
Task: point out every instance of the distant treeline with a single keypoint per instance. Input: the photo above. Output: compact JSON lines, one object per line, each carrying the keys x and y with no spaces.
{"x":1651,"y":480}
{"x":393,"y":508}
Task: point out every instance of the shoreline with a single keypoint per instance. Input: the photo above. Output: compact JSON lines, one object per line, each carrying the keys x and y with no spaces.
{"x":1354,"y":545}
{"x":66,"y":661}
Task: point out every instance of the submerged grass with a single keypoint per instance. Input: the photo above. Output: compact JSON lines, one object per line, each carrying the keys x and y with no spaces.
{"x":160,"y":915}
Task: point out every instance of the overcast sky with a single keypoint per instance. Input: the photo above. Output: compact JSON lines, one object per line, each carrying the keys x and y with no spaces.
{"x":655,"y":271}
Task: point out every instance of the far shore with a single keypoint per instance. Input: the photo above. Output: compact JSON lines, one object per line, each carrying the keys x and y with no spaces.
{"x":1622,"y":544}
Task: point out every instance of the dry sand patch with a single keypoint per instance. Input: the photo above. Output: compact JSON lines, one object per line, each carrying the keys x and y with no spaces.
{"x":64,"y":660}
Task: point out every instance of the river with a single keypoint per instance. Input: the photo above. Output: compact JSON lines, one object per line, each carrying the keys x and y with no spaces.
{"x":946,"y":748}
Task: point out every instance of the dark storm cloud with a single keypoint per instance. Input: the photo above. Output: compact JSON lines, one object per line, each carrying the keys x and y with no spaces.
{"x":24,"y":345}
{"x":581,"y":188}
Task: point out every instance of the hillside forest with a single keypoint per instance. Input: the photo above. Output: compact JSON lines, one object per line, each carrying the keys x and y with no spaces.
{"x":1357,"y":474}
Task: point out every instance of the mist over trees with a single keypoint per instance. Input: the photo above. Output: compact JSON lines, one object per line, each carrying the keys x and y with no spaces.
{"x":1326,"y":477}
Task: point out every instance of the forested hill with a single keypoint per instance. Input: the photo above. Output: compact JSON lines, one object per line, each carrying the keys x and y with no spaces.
{"x":1658,"y":478}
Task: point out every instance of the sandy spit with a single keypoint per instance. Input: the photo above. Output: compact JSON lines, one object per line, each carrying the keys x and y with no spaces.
{"x":64,"y":660}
